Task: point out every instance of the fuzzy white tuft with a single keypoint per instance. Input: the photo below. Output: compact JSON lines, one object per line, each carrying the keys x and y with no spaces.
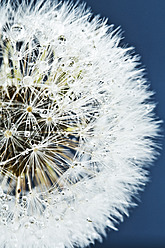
{"x":77,"y":128}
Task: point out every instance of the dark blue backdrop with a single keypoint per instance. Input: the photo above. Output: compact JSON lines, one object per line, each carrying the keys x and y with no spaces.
{"x":144,"y":24}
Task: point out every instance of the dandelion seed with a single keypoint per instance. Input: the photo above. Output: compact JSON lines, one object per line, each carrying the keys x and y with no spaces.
{"x":29,"y":109}
{"x":28,"y":81}
{"x":8,"y":134}
{"x":77,"y":128}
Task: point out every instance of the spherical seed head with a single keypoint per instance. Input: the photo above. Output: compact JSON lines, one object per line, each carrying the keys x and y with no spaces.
{"x":76,"y":125}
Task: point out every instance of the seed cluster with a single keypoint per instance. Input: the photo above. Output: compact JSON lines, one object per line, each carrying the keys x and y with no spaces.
{"x":37,"y":139}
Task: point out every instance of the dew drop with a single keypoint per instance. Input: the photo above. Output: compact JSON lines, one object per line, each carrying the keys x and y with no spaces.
{"x":43,"y":66}
{"x":24,"y":198}
{"x":5,"y":207}
{"x":28,"y":80}
{"x":61,"y":38}
{"x":17,"y":32}
{"x":27,"y":134}
{"x":32,"y":220}
{"x":19,"y":191}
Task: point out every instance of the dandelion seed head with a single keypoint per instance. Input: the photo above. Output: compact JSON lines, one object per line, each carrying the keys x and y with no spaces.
{"x":77,"y":127}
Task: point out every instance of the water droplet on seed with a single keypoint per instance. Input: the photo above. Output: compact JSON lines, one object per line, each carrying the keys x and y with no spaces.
{"x":24,"y":198}
{"x":17,"y":32}
{"x":43,"y":66}
{"x":28,"y":80}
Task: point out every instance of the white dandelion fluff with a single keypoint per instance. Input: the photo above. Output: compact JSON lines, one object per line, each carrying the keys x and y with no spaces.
{"x":77,"y":128}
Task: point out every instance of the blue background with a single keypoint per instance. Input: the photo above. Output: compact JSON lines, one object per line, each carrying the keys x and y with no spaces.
{"x":144,"y":24}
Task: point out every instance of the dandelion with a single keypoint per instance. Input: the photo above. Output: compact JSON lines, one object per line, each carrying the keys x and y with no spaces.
{"x":77,"y":128}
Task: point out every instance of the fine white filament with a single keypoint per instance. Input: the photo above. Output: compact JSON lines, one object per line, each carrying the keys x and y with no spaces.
{"x":77,"y":128}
